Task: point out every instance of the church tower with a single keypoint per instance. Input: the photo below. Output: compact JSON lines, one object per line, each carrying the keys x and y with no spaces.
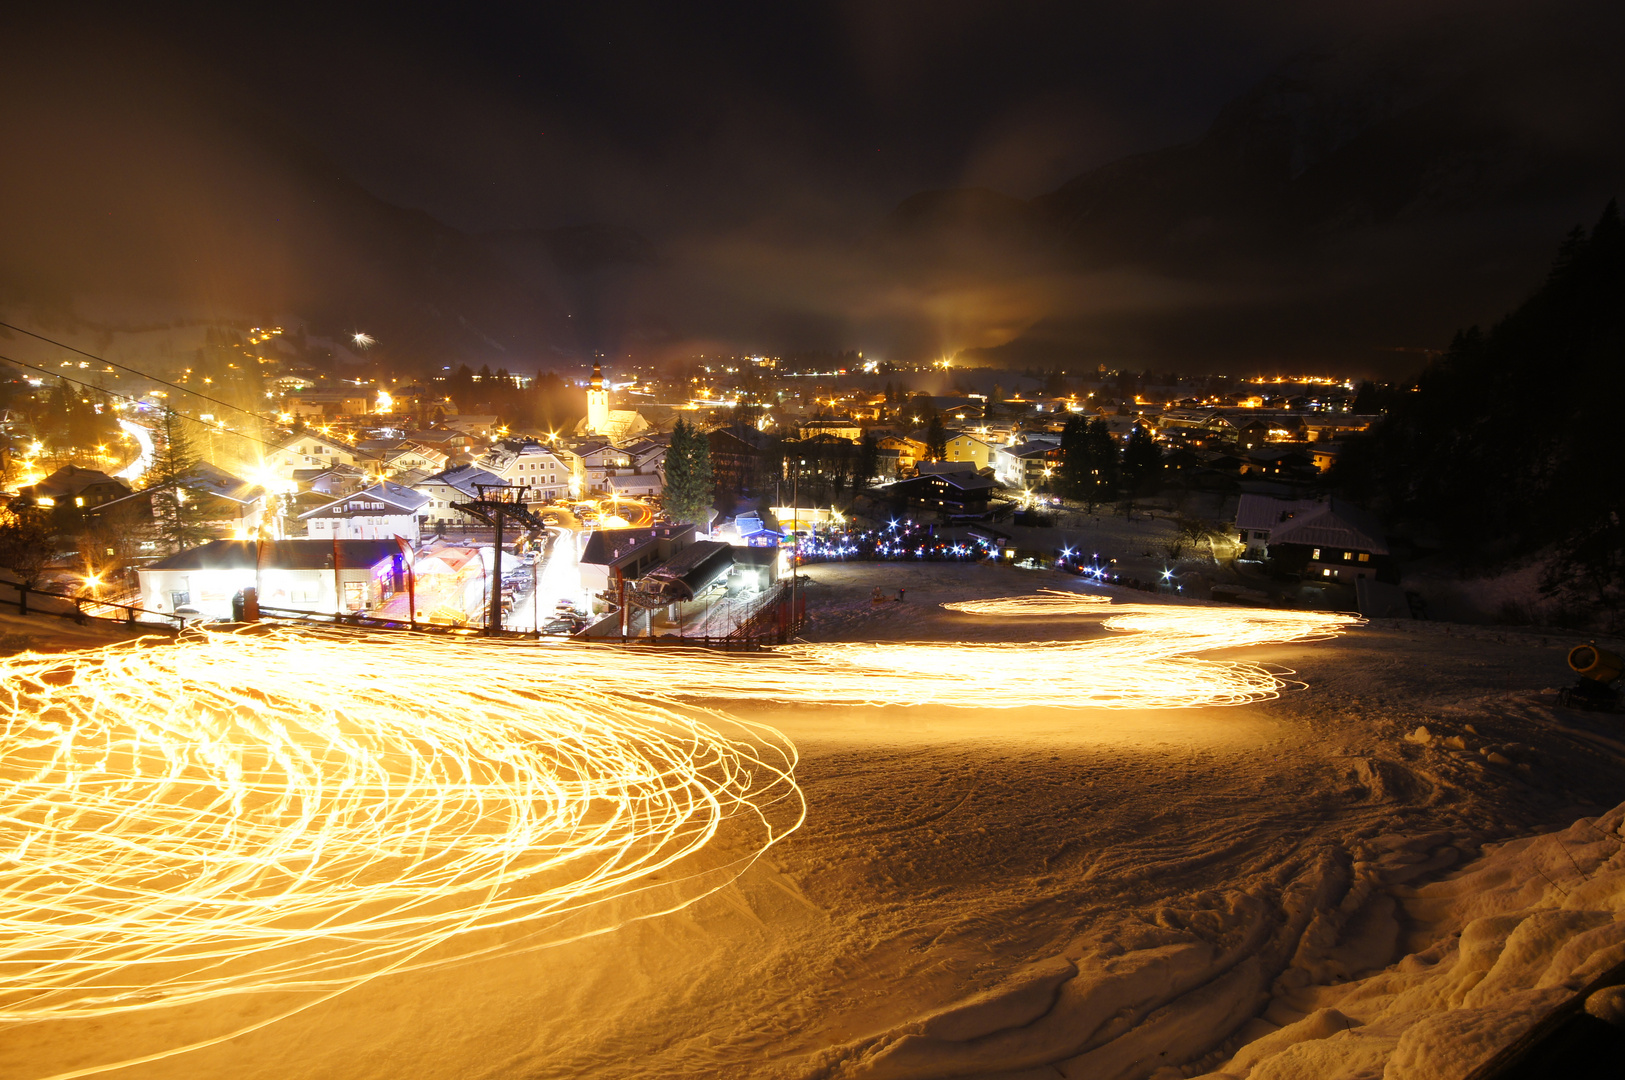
{"x":597,"y":402}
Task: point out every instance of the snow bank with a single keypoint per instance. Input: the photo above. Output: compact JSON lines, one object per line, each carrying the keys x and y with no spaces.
{"x":1279,"y":977}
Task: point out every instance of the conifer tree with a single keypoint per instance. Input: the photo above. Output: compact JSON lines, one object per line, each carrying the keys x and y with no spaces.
{"x":176,"y":512}
{"x":1077,"y":461}
{"x":1142,"y":465}
{"x":936,"y":439}
{"x":1505,"y":447}
{"x":868,"y":463}
{"x":1103,"y":461}
{"x":688,"y":491}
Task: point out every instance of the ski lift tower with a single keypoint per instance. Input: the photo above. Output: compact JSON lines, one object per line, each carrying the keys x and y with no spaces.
{"x":497,"y":505}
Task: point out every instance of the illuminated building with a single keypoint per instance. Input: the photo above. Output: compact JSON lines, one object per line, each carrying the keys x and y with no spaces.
{"x":461,"y":484}
{"x":381,"y":512}
{"x":612,"y":424}
{"x":71,"y":485}
{"x":975,"y":452}
{"x":529,"y":463}
{"x":954,"y":494}
{"x":314,"y":451}
{"x":302,"y":575}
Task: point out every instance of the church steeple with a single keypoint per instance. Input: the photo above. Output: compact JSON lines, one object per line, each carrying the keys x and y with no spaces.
{"x":597,"y":401}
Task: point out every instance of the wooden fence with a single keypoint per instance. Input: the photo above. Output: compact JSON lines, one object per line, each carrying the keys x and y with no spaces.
{"x":86,"y":610}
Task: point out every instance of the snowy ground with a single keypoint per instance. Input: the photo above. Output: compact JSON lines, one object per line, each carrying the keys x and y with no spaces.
{"x":1043,"y":893}
{"x":49,"y":633}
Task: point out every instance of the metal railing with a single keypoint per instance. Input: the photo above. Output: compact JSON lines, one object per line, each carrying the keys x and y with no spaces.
{"x":86,"y":610}
{"x":374,"y":622}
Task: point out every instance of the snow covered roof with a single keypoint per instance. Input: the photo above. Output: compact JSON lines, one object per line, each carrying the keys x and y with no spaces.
{"x":1028,"y":450}
{"x":464,"y":478}
{"x":279,"y":555}
{"x":214,"y":481}
{"x":963,"y":480}
{"x":608,"y":546}
{"x":1335,"y":525}
{"x":1265,"y":512}
{"x":394,"y":497}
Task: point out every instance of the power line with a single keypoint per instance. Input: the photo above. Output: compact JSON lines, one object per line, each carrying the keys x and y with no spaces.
{"x":133,"y":371}
{"x":114,"y":393}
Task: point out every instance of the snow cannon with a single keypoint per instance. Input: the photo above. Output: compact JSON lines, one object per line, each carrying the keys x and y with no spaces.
{"x":1598,"y":669}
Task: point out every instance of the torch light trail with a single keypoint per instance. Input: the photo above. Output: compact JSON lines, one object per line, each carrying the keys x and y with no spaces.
{"x":298,"y":812}
{"x":1150,"y":662}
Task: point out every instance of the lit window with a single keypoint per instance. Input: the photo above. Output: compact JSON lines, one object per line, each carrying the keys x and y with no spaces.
{"x":1325,"y":573}
{"x":1316,"y":554}
{"x":1364,"y":557}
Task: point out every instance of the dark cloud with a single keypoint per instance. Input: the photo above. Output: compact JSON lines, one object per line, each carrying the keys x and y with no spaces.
{"x":205,"y":153}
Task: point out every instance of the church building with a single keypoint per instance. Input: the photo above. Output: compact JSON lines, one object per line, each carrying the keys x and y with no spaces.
{"x":613,"y":424}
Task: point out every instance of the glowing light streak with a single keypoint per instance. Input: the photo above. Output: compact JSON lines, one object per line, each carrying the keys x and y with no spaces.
{"x":1045,"y":602}
{"x":1152,"y":662}
{"x":301,"y":813}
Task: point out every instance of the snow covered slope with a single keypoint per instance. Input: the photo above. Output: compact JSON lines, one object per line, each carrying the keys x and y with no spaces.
{"x":1303,"y":887}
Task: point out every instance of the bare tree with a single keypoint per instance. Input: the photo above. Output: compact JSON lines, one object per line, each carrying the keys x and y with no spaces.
{"x":27,"y":542}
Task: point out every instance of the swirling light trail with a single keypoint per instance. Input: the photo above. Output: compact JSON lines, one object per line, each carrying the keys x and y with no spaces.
{"x":1152,"y":666}
{"x":297,"y":812}
{"x":1043,"y":602}
{"x":300,"y":813}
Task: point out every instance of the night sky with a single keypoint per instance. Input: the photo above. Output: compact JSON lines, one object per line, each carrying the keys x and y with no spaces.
{"x":746,"y":163}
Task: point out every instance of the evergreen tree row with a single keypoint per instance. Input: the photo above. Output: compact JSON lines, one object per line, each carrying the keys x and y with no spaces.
{"x":1509,"y":446}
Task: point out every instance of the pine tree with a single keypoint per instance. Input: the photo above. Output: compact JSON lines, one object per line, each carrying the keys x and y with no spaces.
{"x":1104,"y":460}
{"x":177,"y":514}
{"x":1141,"y":467}
{"x":688,"y":491}
{"x":936,"y":439}
{"x":1142,"y":464}
{"x":868,"y":464}
{"x":1077,"y":461}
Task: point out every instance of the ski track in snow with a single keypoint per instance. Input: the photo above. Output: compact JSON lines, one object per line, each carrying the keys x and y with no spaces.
{"x":1296,"y":888}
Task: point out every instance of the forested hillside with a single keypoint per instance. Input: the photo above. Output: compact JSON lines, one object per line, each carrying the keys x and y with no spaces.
{"x":1510,"y":446}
